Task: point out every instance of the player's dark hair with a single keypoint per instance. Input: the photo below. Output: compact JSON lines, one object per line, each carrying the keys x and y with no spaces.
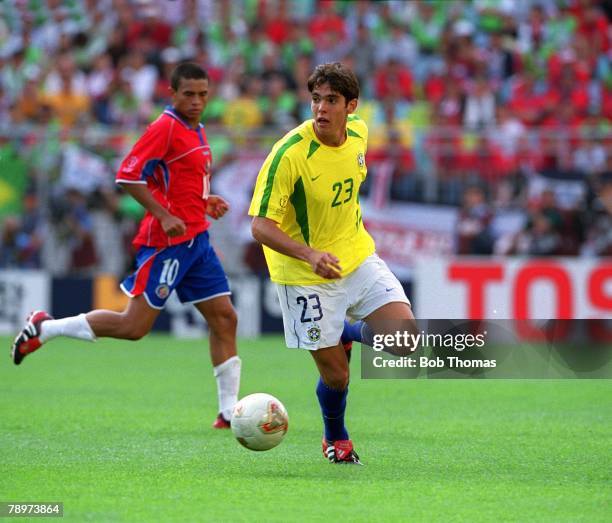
{"x":339,"y":77}
{"x":188,"y":71}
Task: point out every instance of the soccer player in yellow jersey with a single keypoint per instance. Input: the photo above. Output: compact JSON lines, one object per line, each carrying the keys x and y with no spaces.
{"x":306,"y":213}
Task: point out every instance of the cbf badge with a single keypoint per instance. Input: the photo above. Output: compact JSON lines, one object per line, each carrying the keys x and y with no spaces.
{"x":162,"y":291}
{"x":360,"y":160}
{"x":314,"y":333}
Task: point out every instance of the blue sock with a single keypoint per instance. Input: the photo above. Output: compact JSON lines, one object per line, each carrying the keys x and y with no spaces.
{"x":367,"y":334}
{"x":351,"y":332}
{"x":333,"y":405}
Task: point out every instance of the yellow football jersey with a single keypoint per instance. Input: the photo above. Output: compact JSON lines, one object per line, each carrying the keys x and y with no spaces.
{"x":312,"y":191}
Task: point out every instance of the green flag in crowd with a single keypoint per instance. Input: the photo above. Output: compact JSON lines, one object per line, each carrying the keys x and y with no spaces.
{"x":13,"y":180}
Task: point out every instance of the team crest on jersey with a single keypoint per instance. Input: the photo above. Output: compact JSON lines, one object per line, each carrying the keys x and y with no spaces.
{"x":131,"y":163}
{"x":283,"y":201}
{"x":314,"y":333}
{"x":162,"y":291}
{"x":360,"y":160}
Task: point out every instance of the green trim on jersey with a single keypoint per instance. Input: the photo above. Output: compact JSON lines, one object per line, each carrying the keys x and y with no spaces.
{"x":350,"y":132}
{"x":263,"y":209}
{"x":313,"y":148}
{"x":353,"y":117}
{"x":298,"y":200}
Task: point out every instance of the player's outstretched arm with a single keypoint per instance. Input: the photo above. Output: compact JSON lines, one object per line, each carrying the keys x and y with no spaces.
{"x":172,"y":225}
{"x":267,"y":232}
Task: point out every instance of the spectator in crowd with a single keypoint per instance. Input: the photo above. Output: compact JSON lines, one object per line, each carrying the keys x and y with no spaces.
{"x":590,"y":156}
{"x":31,"y":233}
{"x":65,"y":92}
{"x":500,"y":58}
{"x":532,"y":32}
{"x":99,"y":82}
{"x":66,"y":76}
{"x":325,"y":23}
{"x":509,"y":130}
{"x":394,"y":157}
{"x":427,"y":25}
{"x":540,"y":238}
{"x":278,"y":25}
{"x":549,"y":208}
{"x":526,"y":101}
{"x":142,"y":76}
{"x":28,"y":105}
{"x":117,"y":46}
{"x":255,"y":46}
{"x":12,"y":75}
{"x":473,"y":228}
{"x":451,"y":105}
{"x":393,"y":76}
{"x":151,"y":28}
{"x":10,"y":255}
{"x":278,"y":104}
{"x":547,"y":230}
{"x":77,"y":233}
{"x":21,"y":237}
{"x":298,"y":44}
{"x":244,"y":111}
{"x":363,"y":47}
{"x":399,"y":45}
{"x":598,"y":241}
{"x":122,"y":107}
{"x":480,"y":106}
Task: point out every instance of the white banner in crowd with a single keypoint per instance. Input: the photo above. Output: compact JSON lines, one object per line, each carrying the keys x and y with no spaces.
{"x":513,"y":288}
{"x":21,"y":292}
{"x":404,"y":233}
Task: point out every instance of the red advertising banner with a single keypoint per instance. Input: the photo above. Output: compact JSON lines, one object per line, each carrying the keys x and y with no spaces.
{"x":514,"y":288}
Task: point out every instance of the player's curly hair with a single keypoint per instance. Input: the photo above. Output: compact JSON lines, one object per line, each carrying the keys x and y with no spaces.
{"x":339,"y":77}
{"x":188,"y":71}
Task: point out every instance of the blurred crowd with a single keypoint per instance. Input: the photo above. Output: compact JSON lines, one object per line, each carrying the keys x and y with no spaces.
{"x":485,"y":104}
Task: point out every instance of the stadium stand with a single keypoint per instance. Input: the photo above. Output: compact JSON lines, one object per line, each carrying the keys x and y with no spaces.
{"x":492,"y":107}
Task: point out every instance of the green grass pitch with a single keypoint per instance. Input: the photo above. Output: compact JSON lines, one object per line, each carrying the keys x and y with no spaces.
{"x":120,"y":431}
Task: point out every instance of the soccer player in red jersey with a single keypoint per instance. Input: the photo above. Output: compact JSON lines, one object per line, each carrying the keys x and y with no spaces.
{"x":168,"y":173}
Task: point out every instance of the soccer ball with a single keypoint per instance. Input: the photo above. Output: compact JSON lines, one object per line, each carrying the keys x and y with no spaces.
{"x":259,"y":421}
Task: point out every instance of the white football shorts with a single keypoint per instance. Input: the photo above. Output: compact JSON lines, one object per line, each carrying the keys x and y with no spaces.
{"x":313,"y":315}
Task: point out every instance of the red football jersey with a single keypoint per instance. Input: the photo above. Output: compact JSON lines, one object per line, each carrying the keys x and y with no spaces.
{"x":173,"y":160}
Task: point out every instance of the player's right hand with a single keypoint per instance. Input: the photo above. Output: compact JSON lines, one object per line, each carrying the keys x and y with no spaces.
{"x":325,"y":264}
{"x":173,"y":226}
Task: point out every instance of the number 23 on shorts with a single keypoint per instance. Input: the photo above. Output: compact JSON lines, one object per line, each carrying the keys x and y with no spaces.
{"x":311,"y":301}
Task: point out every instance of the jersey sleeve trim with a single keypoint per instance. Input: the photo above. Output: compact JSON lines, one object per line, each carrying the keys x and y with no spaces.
{"x":149,"y":171}
{"x":265,"y":200}
{"x":138,"y":182}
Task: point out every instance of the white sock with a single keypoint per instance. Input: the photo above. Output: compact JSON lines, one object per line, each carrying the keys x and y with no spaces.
{"x":73,"y":327}
{"x":228,"y":383}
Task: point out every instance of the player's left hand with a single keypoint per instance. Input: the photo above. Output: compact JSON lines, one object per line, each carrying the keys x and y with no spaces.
{"x":216,"y":206}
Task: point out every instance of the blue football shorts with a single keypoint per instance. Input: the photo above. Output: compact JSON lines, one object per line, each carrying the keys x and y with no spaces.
{"x":192,"y":268}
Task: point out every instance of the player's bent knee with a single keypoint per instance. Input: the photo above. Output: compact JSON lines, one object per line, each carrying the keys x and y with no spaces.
{"x":133,"y":336}
{"x":135,"y":332}
{"x":230,"y":317}
{"x":225,"y":321}
{"x":338,"y":380}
